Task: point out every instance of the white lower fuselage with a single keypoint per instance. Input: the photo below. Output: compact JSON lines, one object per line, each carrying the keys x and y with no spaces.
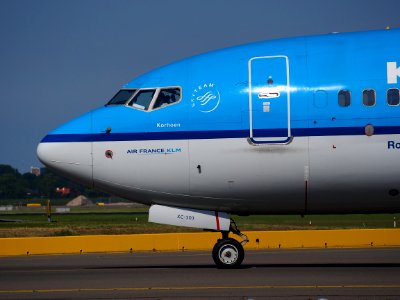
{"x":335,"y":174}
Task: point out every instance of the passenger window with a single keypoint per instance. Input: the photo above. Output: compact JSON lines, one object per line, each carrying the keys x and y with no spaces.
{"x":167,"y":97}
{"x":121,"y":97}
{"x":369,"y":97}
{"x":393,"y":97}
{"x":142,"y":99}
{"x":344,"y":98}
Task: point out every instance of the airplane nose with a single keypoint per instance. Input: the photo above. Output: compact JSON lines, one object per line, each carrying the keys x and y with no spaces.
{"x":67,"y":152}
{"x":69,"y":159}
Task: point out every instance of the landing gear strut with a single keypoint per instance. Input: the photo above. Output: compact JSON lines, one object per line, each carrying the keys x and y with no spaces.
{"x":227,"y":252}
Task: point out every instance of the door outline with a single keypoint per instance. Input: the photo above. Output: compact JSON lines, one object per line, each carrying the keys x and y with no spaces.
{"x":289,"y":137}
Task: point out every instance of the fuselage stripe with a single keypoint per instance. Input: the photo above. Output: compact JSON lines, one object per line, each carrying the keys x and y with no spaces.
{"x":213,"y":134}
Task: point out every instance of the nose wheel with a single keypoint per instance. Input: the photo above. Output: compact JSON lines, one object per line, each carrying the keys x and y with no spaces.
{"x":227,"y":252}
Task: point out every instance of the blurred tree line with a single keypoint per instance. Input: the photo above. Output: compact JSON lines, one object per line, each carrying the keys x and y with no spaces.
{"x":14,"y":185}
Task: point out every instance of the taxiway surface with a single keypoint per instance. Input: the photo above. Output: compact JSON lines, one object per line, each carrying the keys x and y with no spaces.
{"x":297,"y":274}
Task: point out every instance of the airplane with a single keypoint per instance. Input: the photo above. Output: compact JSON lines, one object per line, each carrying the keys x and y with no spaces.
{"x":306,"y":125}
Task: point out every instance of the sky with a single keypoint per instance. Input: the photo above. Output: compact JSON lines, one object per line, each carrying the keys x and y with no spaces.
{"x":62,"y":58}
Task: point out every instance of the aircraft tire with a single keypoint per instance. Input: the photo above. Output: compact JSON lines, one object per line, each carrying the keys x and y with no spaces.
{"x":228,"y":253}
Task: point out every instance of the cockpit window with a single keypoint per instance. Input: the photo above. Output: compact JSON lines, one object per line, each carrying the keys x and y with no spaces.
{"x":166,"y":97}
{"x":147,"y":99}
{"x":142,"y":99}
{"x":121,"y":97}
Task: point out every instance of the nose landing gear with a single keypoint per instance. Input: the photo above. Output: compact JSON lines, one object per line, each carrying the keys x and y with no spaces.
{"x":228,"y":253}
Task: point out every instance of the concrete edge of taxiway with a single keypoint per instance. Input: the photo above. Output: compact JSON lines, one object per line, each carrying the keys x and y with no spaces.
{"x":347,"y":238}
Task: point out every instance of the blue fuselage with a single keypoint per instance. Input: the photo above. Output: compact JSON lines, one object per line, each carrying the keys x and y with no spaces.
{"x":288,"y":126}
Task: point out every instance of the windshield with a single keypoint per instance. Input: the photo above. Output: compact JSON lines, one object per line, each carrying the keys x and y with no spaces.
{"x":121,"y":97}
{"x":143,"y":99}
{"x":147,"y":99}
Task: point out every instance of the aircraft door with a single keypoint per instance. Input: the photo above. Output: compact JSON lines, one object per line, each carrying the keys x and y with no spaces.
{"x":269,"y":100}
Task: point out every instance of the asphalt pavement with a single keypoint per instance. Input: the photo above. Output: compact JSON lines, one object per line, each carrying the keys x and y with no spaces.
{"x":372,"y":273}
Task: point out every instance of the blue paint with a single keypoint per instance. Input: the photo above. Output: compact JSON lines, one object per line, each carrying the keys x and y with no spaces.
{"x":220,"y":134}
{"x":318,"y":68}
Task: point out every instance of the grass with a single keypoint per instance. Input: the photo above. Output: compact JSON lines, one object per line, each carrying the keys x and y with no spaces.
{"x":129,"y":220}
